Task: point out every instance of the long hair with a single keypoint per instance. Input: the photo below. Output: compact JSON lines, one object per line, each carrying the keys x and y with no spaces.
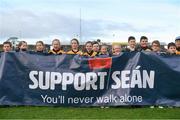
{"x":88,"y":42}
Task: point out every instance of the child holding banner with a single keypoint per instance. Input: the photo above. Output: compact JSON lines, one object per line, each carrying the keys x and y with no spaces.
{"x":96,"y":47}
{"x":7,"y":46}
{"x":56,"y":47}
{"x":171,"y":48}
{"x":116,"y":49}
{"x":155,"y":46}
{"x":88,"y":50}
{"x":74,"y":47}
{"x":131,"y":44}
{"x":104,"y":50}
{"x":144,"y":44}
{"x":22,"y":46}
{"x":40,"y":47}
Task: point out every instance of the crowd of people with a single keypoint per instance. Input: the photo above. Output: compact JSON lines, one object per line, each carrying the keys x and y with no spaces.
{"x":94,"y":48}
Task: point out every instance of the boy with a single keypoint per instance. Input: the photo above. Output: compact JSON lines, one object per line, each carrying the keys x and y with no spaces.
{"x":7,"y":46}
{"x":131,"y":44}
{"x":171,"y":48}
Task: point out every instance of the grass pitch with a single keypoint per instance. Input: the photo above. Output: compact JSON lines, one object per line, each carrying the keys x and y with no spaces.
{"x":29,"y":112}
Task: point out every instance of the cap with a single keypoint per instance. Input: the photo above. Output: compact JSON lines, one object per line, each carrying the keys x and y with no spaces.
{"x":177,"y":38}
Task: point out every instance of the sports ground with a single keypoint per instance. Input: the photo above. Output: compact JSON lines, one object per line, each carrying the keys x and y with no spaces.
{"x":29,"y":112}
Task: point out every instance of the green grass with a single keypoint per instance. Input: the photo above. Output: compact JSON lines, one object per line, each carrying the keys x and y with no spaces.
{"x":27,"y":112}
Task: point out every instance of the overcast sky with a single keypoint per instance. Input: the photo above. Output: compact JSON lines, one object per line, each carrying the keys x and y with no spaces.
{"x":108,"y":20}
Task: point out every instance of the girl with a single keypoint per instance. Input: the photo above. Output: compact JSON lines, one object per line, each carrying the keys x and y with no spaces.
{"x":22,"y":46}
{"x":88,"y":50}
{"x":74,"y":47}
{"x":104,"y":50}
{"x":56,"y":47}
{"x":40,"y":47}
{"x":116,"y":50}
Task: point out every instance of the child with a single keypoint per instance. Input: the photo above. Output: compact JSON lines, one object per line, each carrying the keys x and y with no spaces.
{"x":171,"y":48}
{"x":104,"y":50}
{"x":88,"y":50}
{"x":56,"y":47}
{"x":22,"y":46}
{"x":96,"y":47}
{"x":131,"y":45}
{"x":7,"y":46}
{"x":116,"y":49}
{"x":144,"y":44}
{"x":156,"y":46}
{"x":74,"y":47}
{"x":39,"y":47}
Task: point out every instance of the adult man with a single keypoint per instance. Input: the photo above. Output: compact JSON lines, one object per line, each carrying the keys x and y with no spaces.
{"x":177,"y":42}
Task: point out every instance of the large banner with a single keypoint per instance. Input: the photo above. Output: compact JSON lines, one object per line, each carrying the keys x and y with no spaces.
{"x":73,"y":80}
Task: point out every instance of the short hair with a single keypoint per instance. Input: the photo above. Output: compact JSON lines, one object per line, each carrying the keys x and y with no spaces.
{"x":98,"y":40}
{"x":40,"y":42}
{"x":74,"y":39}
{"x":21,"y":42}
{"x":131,"y":38}
{"x":171,"y":44}
{"x":143,"y":37}
{"x":7,"y":42}
{"x":156,"y":42}
{"x":95,"y":42}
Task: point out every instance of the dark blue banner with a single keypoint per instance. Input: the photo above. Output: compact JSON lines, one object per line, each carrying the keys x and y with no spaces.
{"x":73,"y":80}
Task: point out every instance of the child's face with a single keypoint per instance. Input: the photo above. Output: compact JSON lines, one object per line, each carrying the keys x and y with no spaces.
{"x":6,"y":47}
{"x":39,"y":47}
{"x":96,"y":48}
{"x":74,"y":44}
{"x":103,"y":49}
{"x":132,"y":43}
{"x":56,"y":45}
{"x":172,"y":49}
{"x":23,"y":46}
{"x":144,"y":43}
{"x":155,"y":47}
{"x":89,"y":47}
{"x":117,"y":49}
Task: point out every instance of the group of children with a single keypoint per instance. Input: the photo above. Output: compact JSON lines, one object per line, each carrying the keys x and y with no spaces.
{"x":95,"y":48}
{"x":172,"y":48}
